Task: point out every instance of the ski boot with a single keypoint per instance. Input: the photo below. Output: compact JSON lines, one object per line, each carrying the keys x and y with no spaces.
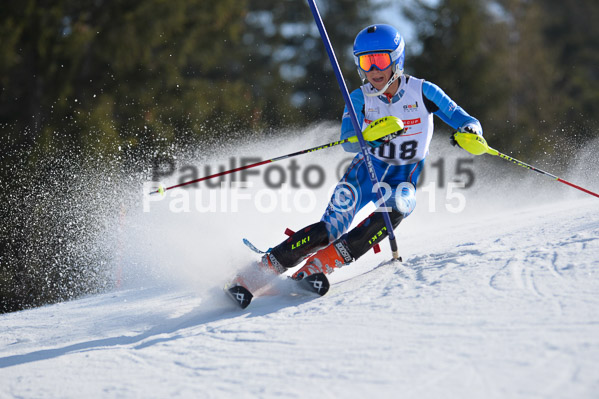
{"x":325,"y":261}
{"x":258,"y":275}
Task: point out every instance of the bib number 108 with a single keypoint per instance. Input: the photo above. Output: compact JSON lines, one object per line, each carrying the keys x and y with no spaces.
{"x":407,"y":150}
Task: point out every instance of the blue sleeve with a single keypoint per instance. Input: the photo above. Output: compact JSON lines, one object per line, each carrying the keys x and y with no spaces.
{"x":449,"y":112}
{"x":347,"y":129}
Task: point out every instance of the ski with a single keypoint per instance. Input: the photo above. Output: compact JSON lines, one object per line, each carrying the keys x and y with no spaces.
{"x":317,"y":283}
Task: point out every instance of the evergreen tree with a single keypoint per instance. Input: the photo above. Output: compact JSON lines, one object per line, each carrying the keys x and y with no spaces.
{"x":287,"y":62}
{"x":462,"y":52}
{"x":571,"y":33}
{"x":95,"y":74}
{"x":527,"y":70}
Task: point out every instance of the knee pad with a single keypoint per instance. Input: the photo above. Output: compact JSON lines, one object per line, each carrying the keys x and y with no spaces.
{"x":403,"y":199}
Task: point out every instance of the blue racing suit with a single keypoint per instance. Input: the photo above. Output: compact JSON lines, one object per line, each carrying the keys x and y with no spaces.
{"x":397,"y":164}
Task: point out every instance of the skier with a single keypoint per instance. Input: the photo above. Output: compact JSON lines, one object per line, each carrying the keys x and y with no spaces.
{"x":379,"y":52}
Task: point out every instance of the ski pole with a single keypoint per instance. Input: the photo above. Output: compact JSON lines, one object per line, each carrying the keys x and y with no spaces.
{"x":352,"y":113}
{"x":477,"y":145}
{"x":388,"y":127}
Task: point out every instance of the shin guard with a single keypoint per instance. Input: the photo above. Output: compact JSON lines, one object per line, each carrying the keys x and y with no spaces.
{"x":301,"y":244}
{"x":369,"y":233}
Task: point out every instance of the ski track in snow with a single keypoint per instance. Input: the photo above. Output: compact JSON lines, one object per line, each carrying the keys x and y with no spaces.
{"x":505,"y":306}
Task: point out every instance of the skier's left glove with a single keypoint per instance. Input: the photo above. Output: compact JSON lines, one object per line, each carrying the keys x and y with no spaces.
{"x":470,"y":127}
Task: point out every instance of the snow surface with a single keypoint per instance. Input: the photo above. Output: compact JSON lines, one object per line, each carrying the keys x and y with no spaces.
{"x":498,"y":300}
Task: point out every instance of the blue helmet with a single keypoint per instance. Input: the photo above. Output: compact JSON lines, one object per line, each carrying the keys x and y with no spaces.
{"x":381,"y":38}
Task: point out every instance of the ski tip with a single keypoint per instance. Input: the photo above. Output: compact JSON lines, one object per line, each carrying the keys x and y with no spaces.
{"x":253,"y":247}
{"x":240,"y":295}
{"x":317,"y":283}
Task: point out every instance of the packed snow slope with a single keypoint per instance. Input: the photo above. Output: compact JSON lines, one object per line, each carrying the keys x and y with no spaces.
{"x":498,"y":298}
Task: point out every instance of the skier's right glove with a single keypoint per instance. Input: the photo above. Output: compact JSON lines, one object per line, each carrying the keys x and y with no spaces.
{"x":469,"y":127}
{"x":377,"y":143}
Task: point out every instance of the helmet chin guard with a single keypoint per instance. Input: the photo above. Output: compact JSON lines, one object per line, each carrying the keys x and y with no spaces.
{"x":396,"y":75}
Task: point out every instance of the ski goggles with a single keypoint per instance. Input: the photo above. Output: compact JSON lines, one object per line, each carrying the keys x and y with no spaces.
{"x":381,"y":61}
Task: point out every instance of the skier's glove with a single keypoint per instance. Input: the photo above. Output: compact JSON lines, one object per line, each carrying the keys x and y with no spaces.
{"x":377,"y":143}
{"x":470,"y":127}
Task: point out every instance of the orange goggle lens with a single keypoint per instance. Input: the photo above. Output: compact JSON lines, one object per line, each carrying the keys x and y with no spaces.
{"x":381,"y":61}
